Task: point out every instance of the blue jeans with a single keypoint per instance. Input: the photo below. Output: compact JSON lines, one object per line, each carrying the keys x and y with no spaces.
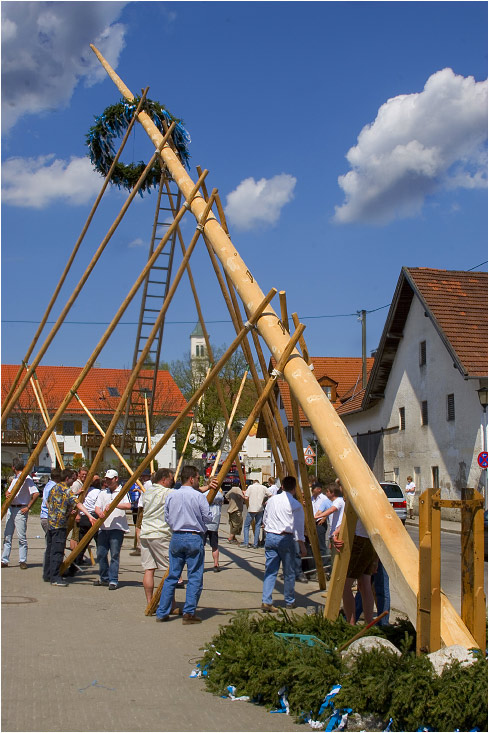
{"x":18,"y":521}
{"x":109,"y":539}
{"x":279,"y":548}
{"x":382,"y":596}
{"x":257,"y":516}
{"x":186,"y":548}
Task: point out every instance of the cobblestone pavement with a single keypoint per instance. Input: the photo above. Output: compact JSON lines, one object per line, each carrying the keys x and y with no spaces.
{"x":85,"y":659}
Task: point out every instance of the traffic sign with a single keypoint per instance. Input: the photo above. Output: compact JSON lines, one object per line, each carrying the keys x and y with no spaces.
{"x":309,"y":451}
{"x":309,"y":460}
{"x":482,"y":459}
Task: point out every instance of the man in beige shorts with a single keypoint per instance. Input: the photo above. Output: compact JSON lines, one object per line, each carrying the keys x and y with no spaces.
{"x":155,"y":533}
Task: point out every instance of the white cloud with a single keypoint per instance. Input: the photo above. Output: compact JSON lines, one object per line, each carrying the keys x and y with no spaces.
{"x":254,"y":203}
{"x":138,"y":242}
{"x":38,"y":182}
{"x":45,"y":52}
{"x":418,"y":144}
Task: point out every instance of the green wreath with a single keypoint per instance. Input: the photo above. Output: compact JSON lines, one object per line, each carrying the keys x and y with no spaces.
{"x":112,"y":123}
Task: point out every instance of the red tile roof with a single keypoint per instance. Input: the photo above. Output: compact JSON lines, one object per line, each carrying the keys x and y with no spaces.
{"x":458,"y":302}
{"x":56,"y":381}
{"x":346,"y":374}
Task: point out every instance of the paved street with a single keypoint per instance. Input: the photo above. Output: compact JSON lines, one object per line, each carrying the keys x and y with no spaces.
{"x":83,"y":658}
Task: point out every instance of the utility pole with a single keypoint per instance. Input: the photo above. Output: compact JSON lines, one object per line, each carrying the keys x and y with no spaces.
{"x":362,"y":316}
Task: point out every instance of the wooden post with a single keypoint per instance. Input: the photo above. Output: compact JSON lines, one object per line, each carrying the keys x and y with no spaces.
{"x":229,"y":423}
{"x":306,"y":493}
{"x":165,"y":438}
{"x":36,"y":388}
{"x":153,"y":604}
{"x":148,"y":429}
{"x":428,"y":604}
{"x":334,"y":595}
{"x":62,"y":279}
{"x":472,"y":540}
{"x":390,"y":539}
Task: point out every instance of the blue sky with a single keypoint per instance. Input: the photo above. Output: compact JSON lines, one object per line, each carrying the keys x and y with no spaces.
{"x":346,"y":139}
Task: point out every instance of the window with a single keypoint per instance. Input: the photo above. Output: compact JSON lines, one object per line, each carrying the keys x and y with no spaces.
{"x":71,"y":427}
{"x":289,"y":432}
{"x":435,"y":477}
{"x":402,"y":418}
{"x":113,"y":392}
{"x":424,"y":412}
{"x":280,"y":402}
{"x":268,"y":445}
{"x":450,"y":407}
{"x":422,"y":353}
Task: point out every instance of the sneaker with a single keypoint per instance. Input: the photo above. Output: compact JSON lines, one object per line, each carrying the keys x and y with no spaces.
{"x":113,"y":586}
{"x":233,"y":542}
{"x":101,"y":582}
{"x":136,"y":552}
{"x":268,"y":608}
{"x":180,"y":583}
{"x":291,"y":605}
{"x":243,"y":544}
{"x":4,"y":564}
{"x":301,"y":579}
{"x":191,"y":618}
{"x":23,"y":565}
{"x":161,"y":620}
{"x":217,"y":569}
{"x":60,"y":583}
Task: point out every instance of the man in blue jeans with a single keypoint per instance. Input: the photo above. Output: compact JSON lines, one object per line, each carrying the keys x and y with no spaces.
{"x":187,"y":513}
{"x":255,"y":496}
{"x":112,"y":531}
{"x":284,"y":524}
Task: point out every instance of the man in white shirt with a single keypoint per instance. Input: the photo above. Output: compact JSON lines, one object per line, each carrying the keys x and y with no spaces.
{"x":284,"y":523}
{"x":255,"y":496}
{"x":17,"y":515}
{"x":112,"y":531}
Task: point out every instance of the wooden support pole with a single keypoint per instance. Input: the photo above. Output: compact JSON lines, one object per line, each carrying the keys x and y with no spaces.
{"x":255,"y":411}
{"x":428,"y":604}
{"x":472,"y":539}
{"x":153,"y":604}
{"x":229,"y":423}
{"x":36,"y":388}
{"x":389,"y":538}
{"x":78,"y":243}
{"x":148,"y":429}
{"x":165,"y":438}
{"x":110,"y":329}
{"x":334,"y":594}
{"x":435,"y":618}
{"x":306,"y":492}
{"x":74,"y":295}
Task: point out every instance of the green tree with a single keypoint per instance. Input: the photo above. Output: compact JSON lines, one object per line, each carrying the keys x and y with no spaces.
{"x":209,"y":421}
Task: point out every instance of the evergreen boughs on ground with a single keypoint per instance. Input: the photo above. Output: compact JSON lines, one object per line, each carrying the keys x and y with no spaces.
{"x":246,"y":654}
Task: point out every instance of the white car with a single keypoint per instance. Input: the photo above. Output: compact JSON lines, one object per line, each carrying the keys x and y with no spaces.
{"x":397,"y":499}
{"x":41,"y":475}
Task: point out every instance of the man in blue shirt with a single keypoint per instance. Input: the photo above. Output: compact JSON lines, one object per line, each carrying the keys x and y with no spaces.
{"x":187,"y":513}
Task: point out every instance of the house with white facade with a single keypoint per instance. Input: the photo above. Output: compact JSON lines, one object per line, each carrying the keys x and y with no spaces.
{"x":76,"y":435}
{"x":423,"y":412}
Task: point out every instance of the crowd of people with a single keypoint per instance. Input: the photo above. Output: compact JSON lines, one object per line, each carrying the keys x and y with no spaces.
{"x":173,"y":523}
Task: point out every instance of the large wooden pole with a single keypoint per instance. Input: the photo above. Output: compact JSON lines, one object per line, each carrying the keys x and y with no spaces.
{"x":391,"y":541}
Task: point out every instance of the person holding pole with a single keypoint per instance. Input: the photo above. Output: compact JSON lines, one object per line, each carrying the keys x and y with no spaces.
{"x":61,"y":503}
{"x":111,"y":533}
{"x":187,"y":513}
{"x":17,"y":515}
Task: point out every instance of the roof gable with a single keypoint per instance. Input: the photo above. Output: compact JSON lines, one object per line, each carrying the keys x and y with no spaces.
{"x":456,"y":303}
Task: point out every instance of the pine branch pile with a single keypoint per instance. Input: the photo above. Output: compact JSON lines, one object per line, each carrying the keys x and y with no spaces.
{"x":246,"y":654}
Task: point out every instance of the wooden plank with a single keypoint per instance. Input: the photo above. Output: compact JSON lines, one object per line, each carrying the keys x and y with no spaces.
{"x":334,"y":594}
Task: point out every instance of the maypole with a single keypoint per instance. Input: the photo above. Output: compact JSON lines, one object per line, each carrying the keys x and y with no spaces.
{"x":391,"y":541}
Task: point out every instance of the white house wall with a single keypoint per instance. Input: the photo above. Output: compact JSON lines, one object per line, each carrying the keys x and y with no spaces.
{"x":453,"y":446}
